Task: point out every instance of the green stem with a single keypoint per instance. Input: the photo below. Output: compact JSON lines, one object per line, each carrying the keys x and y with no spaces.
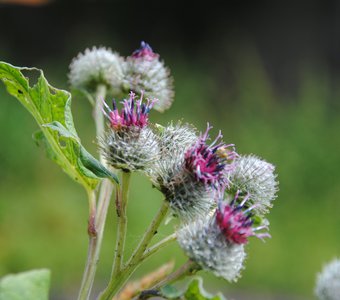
{"x":88,"y":277}
{"x":98,"y":113}
{"x":97,"y":216}
{"x":188,"y":269}
{"x":121,"y":277}
{"x":149,"y":233}
{"x":122,"y":222}
{"x":158,"y":246}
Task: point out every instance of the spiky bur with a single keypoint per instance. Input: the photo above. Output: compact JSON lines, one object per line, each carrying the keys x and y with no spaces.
{"x":210,"y":164}
{"x":97,"y":66}
{"x":174,"y":140}
{"x":143,"y":71}
{"x":190,"y":172}
{"x":130,"y":144}
{"x":328,"y":281}
{"x":216,"y":241}
{"x":256,"y":178}
{"x":204,"y":243}
{"x":186,"y":196}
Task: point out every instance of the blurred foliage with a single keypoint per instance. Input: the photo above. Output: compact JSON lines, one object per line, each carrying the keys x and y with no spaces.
{"x":43,"y":214}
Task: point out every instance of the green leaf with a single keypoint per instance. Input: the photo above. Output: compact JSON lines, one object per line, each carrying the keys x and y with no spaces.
{"x":194,"y":291}
{"x":41,"y":141}
{"x":62,"y":130}
{"x":92,"y":164}
{"x":31,"y":285}
{"x":88,"y":165}
{"x":51,"y":108}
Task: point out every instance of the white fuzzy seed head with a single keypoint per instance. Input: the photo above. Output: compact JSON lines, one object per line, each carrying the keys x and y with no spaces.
{"x":143,"y":71}
{"x":255,"y":177}
{"x":94,"y":67}
{"x":130,"y":148}
{"x":328,"y":282}
{"x":204,"y":243}
{"x":187,"y":197}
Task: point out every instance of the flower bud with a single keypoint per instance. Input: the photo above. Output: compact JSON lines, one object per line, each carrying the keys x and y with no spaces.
{"x":255,"y":177}
{"x":94,"y":67}
{"x":204,"y":243}
{"x":328,"y":281}
{"x":190,"y":173}
{"x":216,"y":240}
{"x":145,"y":72}
{"x":186,"y":196}
{"x":130,"y":144}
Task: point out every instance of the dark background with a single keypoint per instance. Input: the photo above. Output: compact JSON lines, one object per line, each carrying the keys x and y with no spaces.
{"x":285,"y":33}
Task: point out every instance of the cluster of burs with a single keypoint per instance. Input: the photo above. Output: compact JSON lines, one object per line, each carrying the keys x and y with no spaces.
{"x":220,"y":197}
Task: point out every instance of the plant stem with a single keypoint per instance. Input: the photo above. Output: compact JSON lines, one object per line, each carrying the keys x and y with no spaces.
{"x":122,"y":222}
{"x":158,"y":246}
{"x":117,"y":281}
{"x":105,"y":193}
{"x":97,"y":216}
{"x":149,"y":233}
{"x":96,"y":231}
{"x":98,"y":113}
{"x":188,"y":269}
{"x":88,"y":277}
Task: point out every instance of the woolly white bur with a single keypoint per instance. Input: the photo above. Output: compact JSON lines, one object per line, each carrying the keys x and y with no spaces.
{"x":130,"y":148}
{"x":255,"y":177}
{"x":96,"y":66}
{"x":152,"y":77}
{"x":328,"y":282}
{"x":205,"y":244}
{"x":187,"y":197}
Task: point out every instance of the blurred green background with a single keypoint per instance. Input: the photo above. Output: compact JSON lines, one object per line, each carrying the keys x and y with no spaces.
{"x":267,"y":75}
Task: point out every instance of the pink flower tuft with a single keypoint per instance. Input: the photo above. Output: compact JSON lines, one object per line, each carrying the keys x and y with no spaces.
{"x":236,"y":223}
{"x":145,"y":52}
{"x":210,"y":163}
{"x":135,"y":113}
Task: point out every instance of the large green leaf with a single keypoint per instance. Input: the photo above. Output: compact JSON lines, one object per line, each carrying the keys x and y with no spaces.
{"x":31,"y":285}
{"x":194,"y":291}
{"x":51,"y":108}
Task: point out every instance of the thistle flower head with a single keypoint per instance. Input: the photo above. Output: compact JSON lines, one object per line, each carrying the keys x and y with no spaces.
{"x":130,"y":144}
{"x":187,"y":196}
{"x":96,"y":66}
{"x":174,"y":140}
{"x":210,"y":164}
{"x":204,"y":243}
{"x":143,"y":71}
{"x":255,"y":177}
{"x":135,"y":113}
{"x":328,"y":281}
{"x":235,"y":222}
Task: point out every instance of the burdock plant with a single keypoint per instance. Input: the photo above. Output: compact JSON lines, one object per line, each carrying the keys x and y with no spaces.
{"x":219,"y":197}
